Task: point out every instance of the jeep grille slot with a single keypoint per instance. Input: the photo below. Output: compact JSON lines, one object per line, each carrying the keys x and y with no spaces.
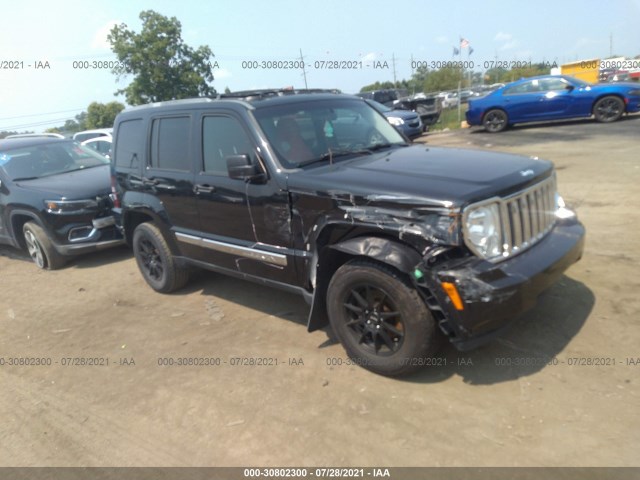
{"x":528,"y":215}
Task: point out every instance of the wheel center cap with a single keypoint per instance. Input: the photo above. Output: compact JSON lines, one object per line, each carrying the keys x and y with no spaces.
{"x":374,"y":318}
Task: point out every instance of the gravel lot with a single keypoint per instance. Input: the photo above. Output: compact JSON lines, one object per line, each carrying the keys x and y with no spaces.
{"x":533,"y":397}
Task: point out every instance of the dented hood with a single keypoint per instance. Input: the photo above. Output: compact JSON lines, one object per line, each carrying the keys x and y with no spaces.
{"x":423,"y":174}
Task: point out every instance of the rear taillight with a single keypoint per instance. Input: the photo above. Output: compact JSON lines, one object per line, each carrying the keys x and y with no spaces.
{"x":114,"y":193}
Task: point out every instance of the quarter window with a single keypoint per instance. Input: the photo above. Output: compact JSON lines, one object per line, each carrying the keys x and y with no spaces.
{"x":170,"y":143}
{"x":129,"y":144}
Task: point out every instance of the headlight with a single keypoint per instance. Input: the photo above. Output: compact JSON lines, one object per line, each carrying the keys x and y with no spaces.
{"x":62,"y":207}
{"x":397,"y":121}
{"x":562,"y":212}
{"x":483,"y":231}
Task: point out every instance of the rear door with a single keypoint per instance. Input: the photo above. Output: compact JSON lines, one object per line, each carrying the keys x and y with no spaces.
{"x":524,"y":101}
{"x":169,"y":171}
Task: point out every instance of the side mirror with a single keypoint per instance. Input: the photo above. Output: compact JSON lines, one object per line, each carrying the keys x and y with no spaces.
{"x":240,"y":167}
{"x":570,"y":88}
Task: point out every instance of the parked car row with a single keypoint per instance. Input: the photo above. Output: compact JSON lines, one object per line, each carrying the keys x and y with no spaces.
{"x":428,"y":108}
{"x":453,"y":98}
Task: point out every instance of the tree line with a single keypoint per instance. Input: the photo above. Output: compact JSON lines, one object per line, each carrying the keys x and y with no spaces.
{"x":447,"y":78}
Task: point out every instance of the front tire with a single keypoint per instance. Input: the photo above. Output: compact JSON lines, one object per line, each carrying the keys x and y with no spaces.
{"x":380,"y":319}
{"x":155,"y":261}
{"x":40,"y":247}
{"x":608,"y":109}
{"x":495,"y":121}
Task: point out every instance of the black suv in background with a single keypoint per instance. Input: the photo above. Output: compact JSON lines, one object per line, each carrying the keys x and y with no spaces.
{"x":55,"y":199}
{"x":399,"y":246}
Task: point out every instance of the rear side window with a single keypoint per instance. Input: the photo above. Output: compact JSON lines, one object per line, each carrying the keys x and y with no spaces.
{"x":129,"y":143}
{"x":526,"y":87}
{"x":170,"y":138}
{"x":221,"y":138}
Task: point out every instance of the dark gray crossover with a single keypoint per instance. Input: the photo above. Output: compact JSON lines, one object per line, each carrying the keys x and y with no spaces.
{"x":55,"y":199}
{"x":398,"y":246}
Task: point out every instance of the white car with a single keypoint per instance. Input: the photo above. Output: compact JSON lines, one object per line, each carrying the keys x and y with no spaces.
{"x":102,"y":145}
{"x":449,"y":99}
{"x":95,"y":133}
{"x":31,"y":135}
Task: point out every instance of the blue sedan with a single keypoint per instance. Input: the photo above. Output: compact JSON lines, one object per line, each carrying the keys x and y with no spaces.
{"x":552,"y":97}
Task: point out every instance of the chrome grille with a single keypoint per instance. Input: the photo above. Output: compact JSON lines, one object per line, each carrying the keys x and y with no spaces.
{"x":527,"y":216}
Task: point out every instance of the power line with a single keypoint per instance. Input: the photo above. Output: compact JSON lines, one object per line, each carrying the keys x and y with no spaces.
{"x":42,"y":114}
{"x":36,"y":124}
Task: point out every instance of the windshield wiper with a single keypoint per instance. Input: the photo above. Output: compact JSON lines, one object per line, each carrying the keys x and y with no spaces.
{"x":22,"y":179}
{"x":332,"y":154}
{"x":380,"y":146}
{"x":83,"y":167}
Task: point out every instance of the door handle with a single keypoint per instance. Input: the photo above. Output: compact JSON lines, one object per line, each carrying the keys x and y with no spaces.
{"x":198,"y":189}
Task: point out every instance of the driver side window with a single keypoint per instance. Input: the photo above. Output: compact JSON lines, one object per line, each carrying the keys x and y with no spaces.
{"x":222,"y":137}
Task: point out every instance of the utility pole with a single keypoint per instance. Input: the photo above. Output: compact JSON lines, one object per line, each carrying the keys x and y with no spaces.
{"x":413,"y":85}
{"x":393,"y":60}
{"x":610,"y":45}
{"x":304,"y":71}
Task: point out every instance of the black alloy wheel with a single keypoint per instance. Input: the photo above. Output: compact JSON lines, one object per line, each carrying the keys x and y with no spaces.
{"x":155,"y":261}
{"x":608,"y":109}
{"x":380,"y":319}
{"x":495,"y":121}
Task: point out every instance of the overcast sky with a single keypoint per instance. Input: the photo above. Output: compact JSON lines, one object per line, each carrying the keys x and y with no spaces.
{"x":237,"y":31}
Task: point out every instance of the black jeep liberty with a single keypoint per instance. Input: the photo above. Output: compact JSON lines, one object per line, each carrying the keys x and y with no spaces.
{"x":397,"y":245}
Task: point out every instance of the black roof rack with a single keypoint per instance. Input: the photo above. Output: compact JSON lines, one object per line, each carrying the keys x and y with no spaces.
{"x":266,"y":93}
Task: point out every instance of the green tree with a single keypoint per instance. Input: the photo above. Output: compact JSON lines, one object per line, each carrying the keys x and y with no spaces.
{"x":6,"y":133}
{"x":78,"y":124}
{"x":495,"y":75}
{"x":444,"y":79}
{"x":102,"y":115}
{"x":163,"y":66}
{"x":385,"y":85}
{"x":506,"y":76}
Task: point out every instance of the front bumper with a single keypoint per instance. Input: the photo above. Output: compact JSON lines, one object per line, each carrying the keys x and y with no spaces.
{"x":494,"y":295}
{"x":101,"y":234}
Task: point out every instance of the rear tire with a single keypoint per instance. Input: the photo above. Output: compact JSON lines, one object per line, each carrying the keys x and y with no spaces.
{"x":155,"y":261}
{"x":495,"y":121}
{"x":40,"y":247}
{"x":608,"y":109}
{"x":380,"y":319}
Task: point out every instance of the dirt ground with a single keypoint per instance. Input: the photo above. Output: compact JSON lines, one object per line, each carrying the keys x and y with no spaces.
{"x":533,"y":397}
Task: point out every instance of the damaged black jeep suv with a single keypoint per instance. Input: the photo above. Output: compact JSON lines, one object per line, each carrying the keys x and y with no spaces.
{"x":398,"y":246}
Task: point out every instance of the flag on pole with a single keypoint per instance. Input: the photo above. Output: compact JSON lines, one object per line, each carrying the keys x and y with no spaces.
{"x":456,"y":51}
{"x":464,"y":43}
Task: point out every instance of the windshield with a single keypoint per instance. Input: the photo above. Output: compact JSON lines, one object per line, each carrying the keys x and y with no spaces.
{"x":378,"y":106}
{"x":311,"y":131}
{"x":47,"y":159}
